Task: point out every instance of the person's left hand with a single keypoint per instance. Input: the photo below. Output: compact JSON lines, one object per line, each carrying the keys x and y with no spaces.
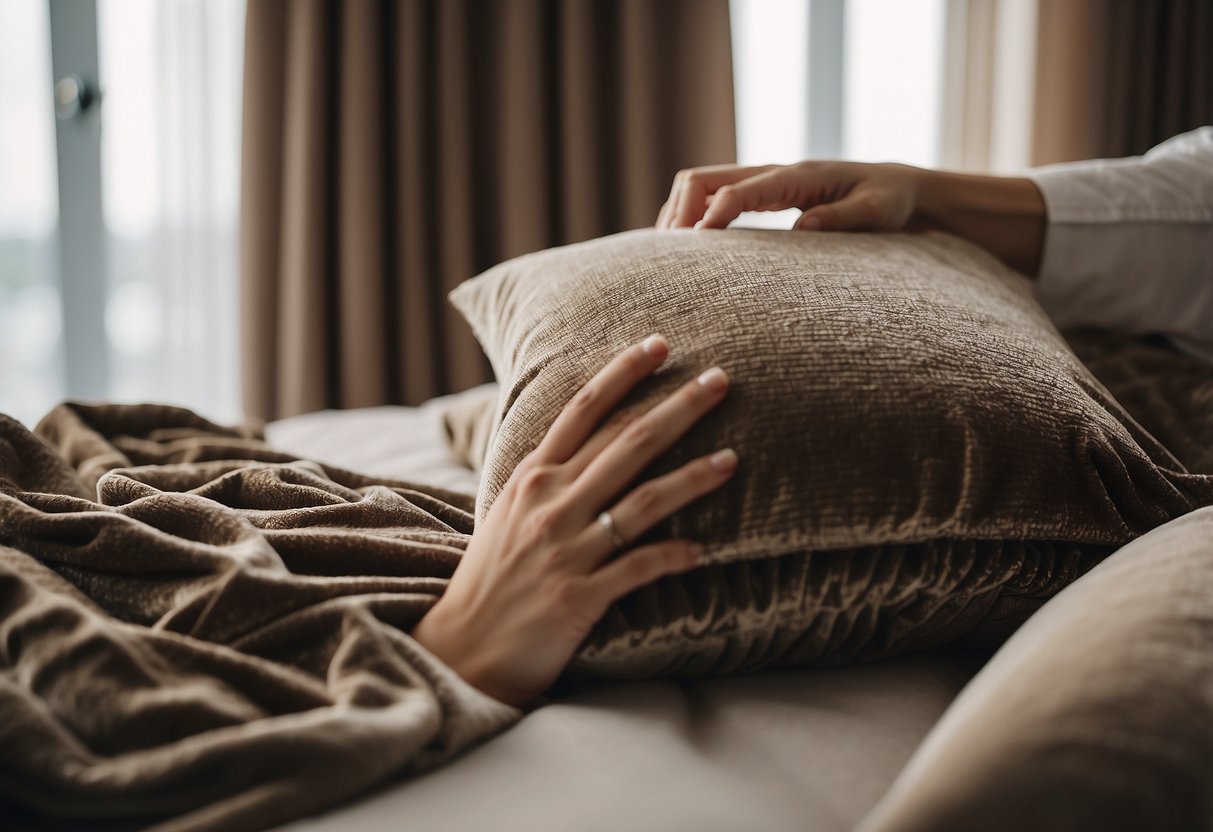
{"x":832,"y":196}
{"x":540,"y":571}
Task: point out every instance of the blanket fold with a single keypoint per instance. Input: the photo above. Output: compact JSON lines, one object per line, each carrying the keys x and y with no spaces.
{"x":199,"y":632}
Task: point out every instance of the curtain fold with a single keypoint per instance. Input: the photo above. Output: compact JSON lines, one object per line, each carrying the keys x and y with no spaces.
{"x":1116,"y":77}
{"x":987,"y":94}
{"x":1159,"y":62}
{"x":1069,"y":51}
{"x":394,"y":149}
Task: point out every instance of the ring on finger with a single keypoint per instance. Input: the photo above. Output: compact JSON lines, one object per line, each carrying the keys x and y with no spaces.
{"x":608,"y":524}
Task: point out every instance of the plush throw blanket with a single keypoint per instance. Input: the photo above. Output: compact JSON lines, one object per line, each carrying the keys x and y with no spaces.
{"x":191,"y":642}
{"x":198,"y":632}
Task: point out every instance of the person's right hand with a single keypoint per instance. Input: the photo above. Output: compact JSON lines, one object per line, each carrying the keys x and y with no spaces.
{"x":833,"y":196}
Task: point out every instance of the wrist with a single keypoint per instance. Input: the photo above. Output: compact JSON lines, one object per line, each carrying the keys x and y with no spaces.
{"x":933,"y":198}
{"x":945,"y":200}
{"x":1003,"y":214}
{"x":441,"y":632}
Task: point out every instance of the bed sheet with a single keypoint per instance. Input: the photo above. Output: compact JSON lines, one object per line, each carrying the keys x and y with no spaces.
{"x":802,"y":749}
{"x":404,"y":443}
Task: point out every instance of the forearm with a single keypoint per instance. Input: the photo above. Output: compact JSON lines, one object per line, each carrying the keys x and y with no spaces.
{"x":1004,"y":215}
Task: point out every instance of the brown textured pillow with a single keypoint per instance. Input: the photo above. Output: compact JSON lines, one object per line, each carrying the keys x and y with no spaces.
{"x":468,"y":422}
{"x":1097,"y":714}
{"x":922,"y":456}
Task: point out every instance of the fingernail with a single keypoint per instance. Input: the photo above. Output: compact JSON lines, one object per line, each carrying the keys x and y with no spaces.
{"x":714,"y":379}
{"x":697,"y":552}
{"x":654,"y":345}
{"x":723,"y":461}
{"x":699,"y":225}
{"x":811,"y":224}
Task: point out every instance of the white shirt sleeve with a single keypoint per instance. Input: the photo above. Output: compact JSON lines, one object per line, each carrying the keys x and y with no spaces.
{"x":1129,"y":244}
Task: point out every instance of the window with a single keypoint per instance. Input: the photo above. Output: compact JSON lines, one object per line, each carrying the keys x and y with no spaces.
{"x":170,"y":182}
{"x":170,"y":81}
{"x":893,"y":81}
{"x":869,"y":71}
{"x":31,"y":377}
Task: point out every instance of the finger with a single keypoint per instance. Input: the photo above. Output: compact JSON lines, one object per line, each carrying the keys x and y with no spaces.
{"x":671,"y":203}
{"x":772,"y":190}
{"x":696,"y":185}
{"x":647,"y":437}
{"x":854,"y":212}
{"x":665,"y":206}
{"x":653,"y":501}
{"x":602,"y":437}
{"x":676,"y":197}
{"x":666,"y":218}
{"x":641,"y":567}
{"x":692,"y":195}
{"x":599,"y":397}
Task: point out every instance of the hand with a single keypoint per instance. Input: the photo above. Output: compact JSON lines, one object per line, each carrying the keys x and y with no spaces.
{"x":541,"y":571}
{"x":834,"y":196}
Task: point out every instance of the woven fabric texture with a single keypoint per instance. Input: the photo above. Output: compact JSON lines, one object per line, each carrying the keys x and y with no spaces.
{"x":922,"y":455}
{"x":199,"y":632}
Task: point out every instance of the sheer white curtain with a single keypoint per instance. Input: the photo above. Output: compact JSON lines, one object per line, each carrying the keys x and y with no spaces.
{"x":893,"y":81}
{"x":938,"y":83}
{"x":171,"y":78}
{"x":30,"y":315}
{"x":890,"y":78}
{"x":989,"y":91}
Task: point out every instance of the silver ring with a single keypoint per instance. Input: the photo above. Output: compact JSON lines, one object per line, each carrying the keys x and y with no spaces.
{"x":608,"y":523}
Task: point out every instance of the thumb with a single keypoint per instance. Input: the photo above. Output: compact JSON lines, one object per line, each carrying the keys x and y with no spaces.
{"x":854,"y":212}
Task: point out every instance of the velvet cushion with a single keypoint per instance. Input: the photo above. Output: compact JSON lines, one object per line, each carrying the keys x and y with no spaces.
{"x":922,"y":456}
{"x":1097,"y":714}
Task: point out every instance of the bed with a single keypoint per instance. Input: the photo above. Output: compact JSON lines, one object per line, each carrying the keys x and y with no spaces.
{"x":806,"y":749}
{"x":205,"y":627}
{"x":1121,"y":662}
{"x":1097,"y":714}
{"x":827,"y":748}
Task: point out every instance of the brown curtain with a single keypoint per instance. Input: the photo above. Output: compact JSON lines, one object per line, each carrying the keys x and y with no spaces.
{"x":394,"y":149}
{"x":1116,"y":77}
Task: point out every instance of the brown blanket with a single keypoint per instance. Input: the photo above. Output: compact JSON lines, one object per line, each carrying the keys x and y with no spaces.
{"x":198,"y":632}
{"x":202,"y":643}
